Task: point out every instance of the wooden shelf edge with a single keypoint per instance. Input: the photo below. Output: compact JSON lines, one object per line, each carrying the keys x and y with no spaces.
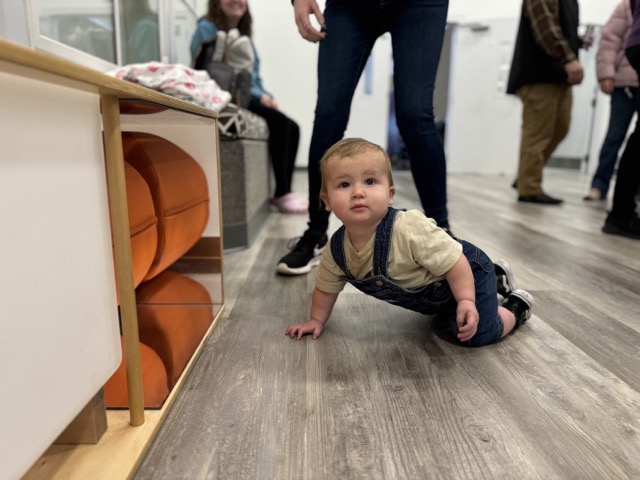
{"x":83,"y":77}
{"x":121,"y":450}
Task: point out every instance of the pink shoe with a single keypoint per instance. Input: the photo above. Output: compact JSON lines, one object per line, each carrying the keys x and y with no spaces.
{"x":291,"y":203}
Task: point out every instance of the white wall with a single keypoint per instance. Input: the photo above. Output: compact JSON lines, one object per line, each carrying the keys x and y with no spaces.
{"x":591,"y":11}
{"x":288,"y":64}
{"x":483,"y":123}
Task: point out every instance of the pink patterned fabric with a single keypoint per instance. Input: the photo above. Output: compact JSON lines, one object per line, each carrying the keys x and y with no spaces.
{"x":177,"y":80}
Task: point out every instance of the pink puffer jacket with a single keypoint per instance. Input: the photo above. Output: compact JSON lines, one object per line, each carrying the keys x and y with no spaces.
{"x":611,"y":61}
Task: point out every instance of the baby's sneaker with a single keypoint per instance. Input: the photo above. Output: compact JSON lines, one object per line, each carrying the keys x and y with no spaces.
{"x":505,"y":281}
{"x":519,"y":303}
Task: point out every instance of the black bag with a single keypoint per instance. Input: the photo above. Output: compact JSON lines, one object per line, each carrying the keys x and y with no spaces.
{"x":241,"y":92}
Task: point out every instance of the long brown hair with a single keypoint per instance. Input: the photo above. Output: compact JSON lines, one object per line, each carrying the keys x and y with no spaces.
{"x":217,"y":16}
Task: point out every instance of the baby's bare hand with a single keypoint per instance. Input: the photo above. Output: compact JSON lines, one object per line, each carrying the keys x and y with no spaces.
{"x":466,"y":332}
{"x":298,"y":330}
{"x":467,"y":319}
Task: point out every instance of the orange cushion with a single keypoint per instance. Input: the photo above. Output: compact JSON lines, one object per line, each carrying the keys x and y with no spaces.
{"x":180,"y":194}
{"x":142,"y":223}
{"x":174,"y":313}
{"x":154,"y":382}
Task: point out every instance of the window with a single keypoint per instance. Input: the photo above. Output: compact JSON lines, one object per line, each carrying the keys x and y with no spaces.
{"x":100,"y":34}
{"x":90,"y":26}
{"x":87,"y":26}
{"x":139,"y":31}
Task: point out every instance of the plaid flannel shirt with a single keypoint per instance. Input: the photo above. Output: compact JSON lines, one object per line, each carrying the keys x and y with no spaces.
{"x":543,"y":16}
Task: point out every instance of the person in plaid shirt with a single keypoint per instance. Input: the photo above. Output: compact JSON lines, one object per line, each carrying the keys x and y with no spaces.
{"x":545,"y":65}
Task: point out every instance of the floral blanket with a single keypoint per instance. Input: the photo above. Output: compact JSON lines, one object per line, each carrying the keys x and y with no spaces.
{"x":177,"y":80}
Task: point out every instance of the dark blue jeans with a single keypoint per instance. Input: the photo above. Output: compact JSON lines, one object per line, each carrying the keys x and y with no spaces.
{"x":417,"y":31}
{"x":628,"y":177}
{"x":623,"y":107}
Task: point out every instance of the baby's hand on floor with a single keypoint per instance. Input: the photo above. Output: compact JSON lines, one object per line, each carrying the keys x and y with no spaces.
{"x":297,"y":330}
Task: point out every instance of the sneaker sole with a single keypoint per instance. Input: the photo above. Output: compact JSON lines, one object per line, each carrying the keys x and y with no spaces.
{"x":505,"y":268}
{"x":285,"y":269}
{"x":527,"y":298}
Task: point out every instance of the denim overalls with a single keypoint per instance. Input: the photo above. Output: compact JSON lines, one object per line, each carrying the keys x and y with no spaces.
{"x":431,"y":299}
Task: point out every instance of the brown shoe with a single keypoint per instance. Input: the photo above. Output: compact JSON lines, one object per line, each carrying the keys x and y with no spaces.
{"x":541,"y":198}
{"x":593,"y":195}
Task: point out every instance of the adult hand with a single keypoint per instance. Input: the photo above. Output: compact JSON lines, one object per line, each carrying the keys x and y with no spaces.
{"x":303,"y":9}
{"x":268,"y":101}
{"x":606,"y":85}
{"x":575,"y":73}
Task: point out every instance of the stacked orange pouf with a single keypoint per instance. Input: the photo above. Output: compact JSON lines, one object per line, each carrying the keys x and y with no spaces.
{"x":174,"y":311}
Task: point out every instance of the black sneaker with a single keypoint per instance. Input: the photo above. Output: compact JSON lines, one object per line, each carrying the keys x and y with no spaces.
{"x":505,"y":282}
{"x":303,"y":257}
{"x":519,"y":303}
{"x":626,"y":228}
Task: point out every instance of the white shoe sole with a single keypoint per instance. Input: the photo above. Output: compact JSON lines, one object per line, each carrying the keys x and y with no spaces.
{"x":506,"y":268}
{"x":285,"y":269}
{"x":526,"y":297}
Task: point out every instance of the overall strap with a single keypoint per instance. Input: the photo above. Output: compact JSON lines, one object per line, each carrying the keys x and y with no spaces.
{"x":380,"y":249}
{"x":337,"y":251}
{"x":383,"y":242}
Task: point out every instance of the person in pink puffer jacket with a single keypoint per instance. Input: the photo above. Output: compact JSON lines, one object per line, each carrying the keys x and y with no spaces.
{"x":618,"y":79}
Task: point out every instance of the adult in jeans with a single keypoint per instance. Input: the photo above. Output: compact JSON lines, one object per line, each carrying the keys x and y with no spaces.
{"x":545,"y":65}
{"x":618,"y":79}
{"x":349,"y":30}
{"x":284,"y":133}
{"x":623,"y":219}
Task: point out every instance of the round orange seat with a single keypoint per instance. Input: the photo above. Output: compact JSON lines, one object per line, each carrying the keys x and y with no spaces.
{"x":154,"y":381}
{"x":142,"y":223}
{"x":179,"y":190}
{"x":174,"y":313}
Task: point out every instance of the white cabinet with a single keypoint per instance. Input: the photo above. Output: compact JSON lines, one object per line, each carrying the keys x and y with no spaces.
{"x":64,"y":215}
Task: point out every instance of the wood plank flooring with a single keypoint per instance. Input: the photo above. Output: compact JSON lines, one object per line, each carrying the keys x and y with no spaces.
{"x":385,"y":394}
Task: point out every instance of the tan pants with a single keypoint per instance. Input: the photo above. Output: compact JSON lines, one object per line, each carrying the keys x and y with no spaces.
{"x":546,"y":115}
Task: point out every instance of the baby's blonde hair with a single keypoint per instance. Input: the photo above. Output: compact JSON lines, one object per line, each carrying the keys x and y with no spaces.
{"x":348,"y":147}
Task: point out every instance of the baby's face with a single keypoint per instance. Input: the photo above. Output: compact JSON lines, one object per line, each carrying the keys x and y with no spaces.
{"x":358,"y":188}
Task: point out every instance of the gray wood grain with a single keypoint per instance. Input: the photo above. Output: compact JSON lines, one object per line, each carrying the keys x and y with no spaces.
{"x":386,"y":394}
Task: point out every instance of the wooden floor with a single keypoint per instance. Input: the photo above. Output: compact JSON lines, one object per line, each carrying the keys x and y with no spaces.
{"x":385,"y":394}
